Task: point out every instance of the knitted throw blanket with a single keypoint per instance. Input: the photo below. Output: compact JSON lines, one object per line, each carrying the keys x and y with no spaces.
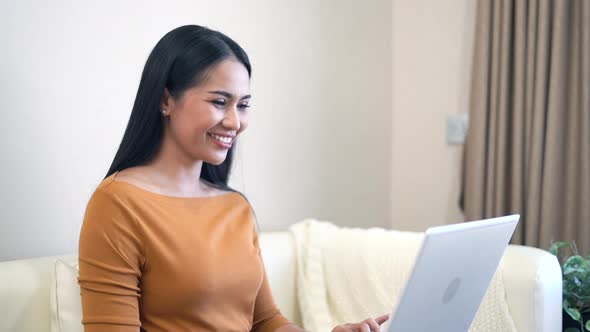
{"x":350,"y":274}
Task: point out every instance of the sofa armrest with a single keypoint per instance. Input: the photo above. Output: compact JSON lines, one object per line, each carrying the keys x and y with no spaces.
{"x":532,"y":279}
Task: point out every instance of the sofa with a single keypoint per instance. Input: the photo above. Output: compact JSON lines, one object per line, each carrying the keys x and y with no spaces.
{"x":532,"y":279}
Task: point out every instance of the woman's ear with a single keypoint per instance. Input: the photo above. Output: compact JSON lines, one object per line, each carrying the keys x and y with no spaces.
{"x":167,"y":102}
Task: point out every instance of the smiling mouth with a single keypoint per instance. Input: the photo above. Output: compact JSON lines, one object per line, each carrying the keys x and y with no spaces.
{"x":222,"y":141}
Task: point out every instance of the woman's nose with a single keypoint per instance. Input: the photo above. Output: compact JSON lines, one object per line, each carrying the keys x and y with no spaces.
{"x":232,"y":119}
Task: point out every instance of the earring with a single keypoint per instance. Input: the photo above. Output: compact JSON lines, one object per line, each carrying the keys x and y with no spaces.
{"x":164,"y":112}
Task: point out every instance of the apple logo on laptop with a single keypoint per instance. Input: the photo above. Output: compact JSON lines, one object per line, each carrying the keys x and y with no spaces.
{"x":451,"y":290}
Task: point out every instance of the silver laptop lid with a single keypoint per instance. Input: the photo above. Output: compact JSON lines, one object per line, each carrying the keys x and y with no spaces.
{"x":452,"y":272}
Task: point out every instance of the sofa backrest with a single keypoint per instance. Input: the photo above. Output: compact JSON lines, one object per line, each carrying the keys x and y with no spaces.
{"x":24,"y":294}
{"x":25,"y":285}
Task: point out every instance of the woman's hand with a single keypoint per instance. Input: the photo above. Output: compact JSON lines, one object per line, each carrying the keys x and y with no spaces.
{"x":368,"y":325}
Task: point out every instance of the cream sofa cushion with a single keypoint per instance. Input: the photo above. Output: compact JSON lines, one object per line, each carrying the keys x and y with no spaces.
{"x":65,"y":303}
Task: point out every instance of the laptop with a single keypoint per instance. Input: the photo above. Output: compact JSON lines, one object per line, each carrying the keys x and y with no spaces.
{"x":453,"y":270}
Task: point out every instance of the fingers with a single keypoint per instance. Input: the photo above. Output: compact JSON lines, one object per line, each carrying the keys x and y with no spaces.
{"x":364,"y":327}
{"x":372,"y":324}
{"x":368,"y":325}
{"x":382,"y":319}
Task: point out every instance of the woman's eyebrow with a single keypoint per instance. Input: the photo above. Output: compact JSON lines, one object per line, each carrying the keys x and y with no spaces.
{"x":229,"y":95}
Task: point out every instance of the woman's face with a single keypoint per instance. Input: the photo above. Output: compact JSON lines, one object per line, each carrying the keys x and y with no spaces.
{"x":205,"y":121}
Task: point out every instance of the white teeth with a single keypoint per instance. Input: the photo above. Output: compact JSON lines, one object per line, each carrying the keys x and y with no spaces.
{"x":223,"y":139}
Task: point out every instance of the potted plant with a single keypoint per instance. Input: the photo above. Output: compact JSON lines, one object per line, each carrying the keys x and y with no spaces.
{"x":575,"y":270}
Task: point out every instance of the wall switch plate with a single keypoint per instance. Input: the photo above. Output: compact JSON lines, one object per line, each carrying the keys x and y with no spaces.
{"x":457,"y":128}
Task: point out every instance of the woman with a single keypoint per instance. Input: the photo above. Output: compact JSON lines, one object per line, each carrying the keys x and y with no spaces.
{"x":166,"y":245}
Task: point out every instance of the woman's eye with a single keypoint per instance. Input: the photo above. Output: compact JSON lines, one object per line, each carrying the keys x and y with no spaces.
{"x":219,"y":102}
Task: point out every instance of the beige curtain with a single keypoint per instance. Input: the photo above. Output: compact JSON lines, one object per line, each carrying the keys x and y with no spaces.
{"x":528,"y":146}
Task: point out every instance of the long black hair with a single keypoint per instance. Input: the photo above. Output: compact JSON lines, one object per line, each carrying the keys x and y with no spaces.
{"x":179,"y":61}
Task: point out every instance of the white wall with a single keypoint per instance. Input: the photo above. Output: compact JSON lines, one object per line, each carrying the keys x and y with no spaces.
{"x":320,"y":134}
{"x":432,"y":47}
{"x":322,"y":131}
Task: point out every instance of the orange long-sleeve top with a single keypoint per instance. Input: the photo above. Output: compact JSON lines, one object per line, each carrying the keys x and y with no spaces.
{"x":150,"y":262}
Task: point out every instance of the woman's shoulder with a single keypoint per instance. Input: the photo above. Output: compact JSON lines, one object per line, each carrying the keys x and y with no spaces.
{"x":106,"y":194}
{"x":113,"y":194}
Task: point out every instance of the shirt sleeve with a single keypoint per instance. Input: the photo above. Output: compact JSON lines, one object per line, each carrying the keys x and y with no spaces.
{"x":267,"y":317}
{"x":110,"y":260}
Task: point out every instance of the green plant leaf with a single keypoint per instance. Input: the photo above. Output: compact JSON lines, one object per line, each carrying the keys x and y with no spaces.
{"x":576,"y":280}
{"x":558,"y":245}
{"x":587,"y":326}
{"x":574,"y":314}
{"x":575,"y":261}
{"x":572,"y":329}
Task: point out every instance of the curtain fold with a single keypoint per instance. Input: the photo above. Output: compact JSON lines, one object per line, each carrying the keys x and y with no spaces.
{"x":528,"y":146}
